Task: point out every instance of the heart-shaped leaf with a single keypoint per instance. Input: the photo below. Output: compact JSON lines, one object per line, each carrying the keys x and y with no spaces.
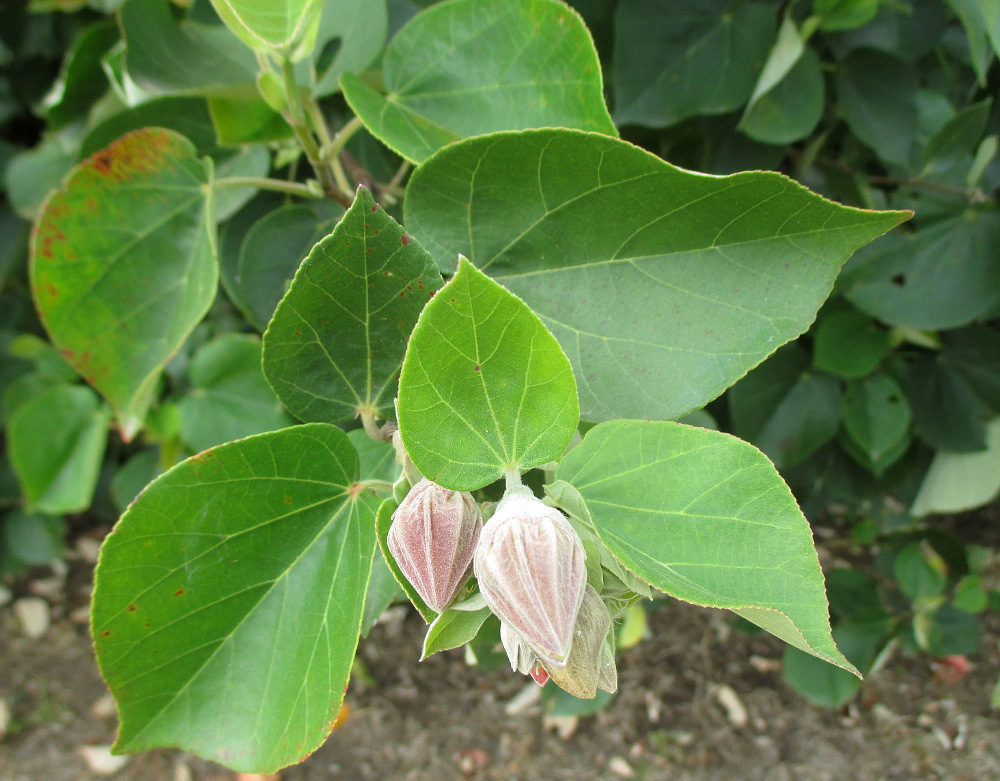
{"x":123,"y":264}
{"x":706,"y":518}
{"x":663,"y":286}
{"x":229,"y":597}
{"x":485,"y":388}
{"x":464,"y":67}
{"x":335,"y":344}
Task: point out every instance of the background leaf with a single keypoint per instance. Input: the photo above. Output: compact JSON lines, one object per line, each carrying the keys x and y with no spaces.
{"x":705,"y":517}
{"x":663,"y":286}
{"x":463,"y":67}
{"x":334,"y":347}
{"x":269,"y":25}
{"x":351,"y":36}
{"x":123,"y":265}
{"x":235,"y":585}
{"x":485,"y":387}
{"x":675,"y":60}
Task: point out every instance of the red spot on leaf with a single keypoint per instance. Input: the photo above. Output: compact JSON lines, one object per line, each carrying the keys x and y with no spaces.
{"x":405,"y":239}
{"x":106,"y":633}
{"x":131,"y":608}
{"x":296,"y":333}
{"x":288,"y":500}
{"x":476,"y":368}
{"x":420,"y":284}
{"x":179,"y":592}
{"x":375,"y":208}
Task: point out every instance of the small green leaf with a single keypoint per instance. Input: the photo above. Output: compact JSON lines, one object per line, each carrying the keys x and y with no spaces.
{"x":961,"y":481}
{"x":464,"y":67}
{"x":242,"y":121}
{"x":789,"y":111}
{"x":354,"y":31}
{"x":786,"y":408}
{"x":947,"y":631}
{"x":453,"y":628}
{"x":485,"y":388}
{"x":959,"y":136}
{"x":876,"y":417}
{"x":32,"y":173}
{"x":663,"y":286}
{"x":705,"y":517}
{"x":123,"y":265}
{"x":919,"y":572}
{"x":31,"y":538}
{"x":57,"y":442}
{"x":943,"y":275}
{"x":270,"y":25}
{"x":334,"y":347}
{"x":787,"y":50}
{"x":82,"y":81}
{"x":687,"y":57}
{"x":836,"y":15}
{"x":229,"y":397}
{"x":189,"y":116}
{"x":164,"y":56}
{"x":849,"y":344}
{"x":235,"y":585}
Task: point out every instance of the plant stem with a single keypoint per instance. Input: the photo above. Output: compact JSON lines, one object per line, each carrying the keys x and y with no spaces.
{"x":264,"y":183}
{"x":512,"y":477}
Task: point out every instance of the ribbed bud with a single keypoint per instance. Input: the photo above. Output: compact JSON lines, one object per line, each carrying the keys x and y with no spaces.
{"x":531,"y":569}
{"x":591,"y":663}
{"x":432,"y":538}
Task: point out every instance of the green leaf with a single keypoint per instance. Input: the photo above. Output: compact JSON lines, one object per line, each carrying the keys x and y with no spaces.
{"x":849,"y":344}
{"x":82,"y":81}
{"x":377,"y":457}
{"x":877,"y":419}
{"x":705,"y":517}
{"x":239,"y":121}
{"x":485,"y":388}
{"x":973,"y":14}
{"x":959,"y":136}
{"x":164,"y":56}
{"x":947,"y":631}
{"x":453,"y":628}
{"x":228,"y":599}
{"x":876,"y":92}
{"x":189,"y":116}
{"x":941,"y":276}
{"x":688,"y":57}
{"x":132,"y":476}
{"x":919,"y":572}
{"x":270,"y":25}
{"x":838,"y":15}
{"x":383,"y":590}
{"x":252,"y":161}
{"x":785,"y":408}
{"x":351,"y":36}
{"x":787,"y":50}
{"x":961,"y":481}
{"x":789,"y":111}
{"x":464,"y":67}
{"x":33,"y":539}
{"x":270,"y":255}
{"x":57,"y":442}
{"x":32,"y":173}
{"x":229,"y":397}
{"x":123,"y":265}
{"x":335,"y":345}
{"x":663,"y":286}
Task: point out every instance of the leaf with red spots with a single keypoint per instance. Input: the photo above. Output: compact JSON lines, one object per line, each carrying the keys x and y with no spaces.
{"x":123,"y":264}
{"x":226,"y":617}
{"x":335,"y":344}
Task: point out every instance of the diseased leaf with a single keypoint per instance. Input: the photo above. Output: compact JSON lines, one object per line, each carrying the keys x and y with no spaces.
{"x":663,"y":286}
{"x":705,"y":517}
{"x":235,"y":584}
{"x":123,"y":265}
{"x":334,"y":347}
{"x":464,"y":67}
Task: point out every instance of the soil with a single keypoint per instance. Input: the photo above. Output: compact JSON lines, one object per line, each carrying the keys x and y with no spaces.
{"x":442,"y":720}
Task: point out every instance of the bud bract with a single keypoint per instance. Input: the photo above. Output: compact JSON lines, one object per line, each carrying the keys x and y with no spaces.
{"x":591,"y":663}
{"x":432,"y":538}
{"x":531,"y":569}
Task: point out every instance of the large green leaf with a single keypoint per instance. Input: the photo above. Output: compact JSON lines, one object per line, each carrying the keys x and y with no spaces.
{"x":56,"y":442}
{"x":164,"y":56}
{"x":270,"y":25}
{"x":351,"y":35}
{"x":485,"y":388}
{"x":123,"y":264}
{"x":465,"y":67}
{"x":228,"y":599}
{"x":663,"y":286}
{"x":941,"y":276}
{"x":335,"y":345}
{"x":705,"y":517}
{"x":687,"y":57}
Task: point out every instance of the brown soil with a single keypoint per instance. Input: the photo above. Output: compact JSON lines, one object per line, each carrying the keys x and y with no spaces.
{"x":441,"y":719}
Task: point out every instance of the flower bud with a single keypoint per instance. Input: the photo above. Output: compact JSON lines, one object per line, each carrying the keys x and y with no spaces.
{"x":591,"y":663}
{"x":432,"y":538}
{"x":531,"y":569}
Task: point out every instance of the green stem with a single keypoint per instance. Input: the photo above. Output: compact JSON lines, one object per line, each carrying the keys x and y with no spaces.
{"x":264,"y":183}
{"x":381,"y":487}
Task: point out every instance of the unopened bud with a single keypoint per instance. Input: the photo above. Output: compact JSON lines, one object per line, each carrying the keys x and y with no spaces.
{"x":591,"y":663}
{"x":531,"y":569}
{"x":432,"y":538}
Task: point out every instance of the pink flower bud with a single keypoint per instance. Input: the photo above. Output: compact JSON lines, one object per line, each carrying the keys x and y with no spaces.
{"x":591,"y":663}
{"x":432,"y":538}
{"x":531,"y":568}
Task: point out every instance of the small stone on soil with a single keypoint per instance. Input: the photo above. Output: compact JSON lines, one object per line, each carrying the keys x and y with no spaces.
{"x":33,"y":614}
